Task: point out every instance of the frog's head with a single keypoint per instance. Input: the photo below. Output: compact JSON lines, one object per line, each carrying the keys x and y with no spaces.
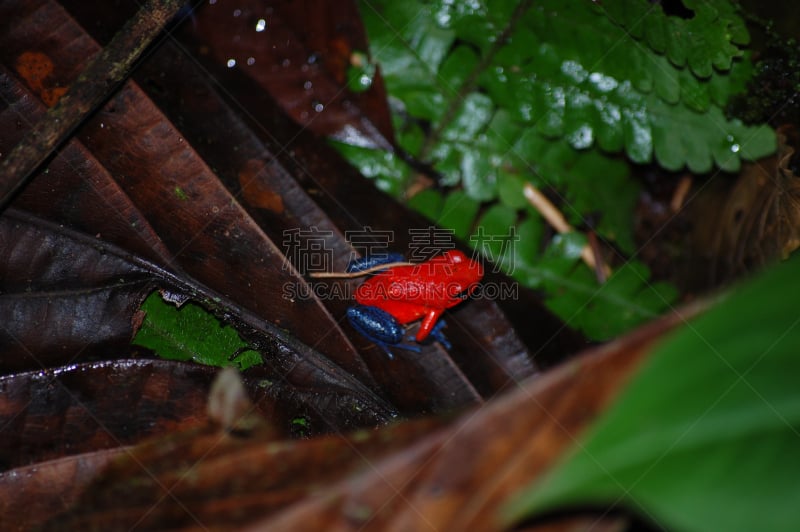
{"x":462,"y":267}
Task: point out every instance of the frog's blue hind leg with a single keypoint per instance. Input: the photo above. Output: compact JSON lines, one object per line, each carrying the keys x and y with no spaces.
{"x":365,"y":263}
{"x":438,"y":335}
{"x":379,"y":327}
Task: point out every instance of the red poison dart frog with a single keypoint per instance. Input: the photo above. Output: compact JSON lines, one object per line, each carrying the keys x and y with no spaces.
{"x":400,"y":295}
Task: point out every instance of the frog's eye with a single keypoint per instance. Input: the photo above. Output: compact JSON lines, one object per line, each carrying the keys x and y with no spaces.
{"x":454,"y":290}
{"x":456,"y":257}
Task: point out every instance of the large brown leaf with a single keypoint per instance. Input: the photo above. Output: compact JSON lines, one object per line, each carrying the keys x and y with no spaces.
{"x":187,"y":180}
{"x":301,"y":57}
{"x":328,"y":195}
{"x":62,"y":297}
{"x":73,"y":409}
{"x":184,"y":91}
{"x":201,"y":224}
{"x":84,"y":292}
{"x":412,"y":476}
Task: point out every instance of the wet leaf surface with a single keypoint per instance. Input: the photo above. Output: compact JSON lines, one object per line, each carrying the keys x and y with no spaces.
{"x":30,"y":495}
{"x":300,"y":53}
{"x":411,"y":475}
{"x":77,"y":408}
{"x":186,"y":181}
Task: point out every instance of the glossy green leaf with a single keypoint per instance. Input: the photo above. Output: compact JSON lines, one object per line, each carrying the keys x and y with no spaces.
{"x":531,"y":232}
{"x":755,"y":142}
{"x":637,"y":135}
{"x":509,"y":189}
{"x":479,"y":175}
{"x":606,"y":310}
{"x":492,"y":235}
{"x":656,"y":31}
{"x":191,"y":333}
{"x":602,"y":187}
{"x":502,"y":132}
{"x":408,"y":44}
{"x":667,"y":81}
{"x":709,"y":38}
{"x":428,"y":202}
{"x":570,"y":69}
{"x":360,"y":73}
{"x":458,"y":213}
{"x":680,"y":138}
{"x":388,"y":170}
{"x":456,"y":68}
{"x":571,"y":85}
{"x":705,"y":436}
{"x":473,"y":114}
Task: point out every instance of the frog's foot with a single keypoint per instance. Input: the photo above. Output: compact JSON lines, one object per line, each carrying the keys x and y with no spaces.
{"x":407,"y":347}
{"x":379,"y":327}
{"x":365,"y":263}
{"x":438,"y":335}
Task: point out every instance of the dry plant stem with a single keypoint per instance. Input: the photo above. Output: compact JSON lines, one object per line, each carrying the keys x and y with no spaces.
{"x":681,"y":191}
{"x":559,"y":223}
{"x":94,"y":85}
{"x":600,"y":269}
{"x":352,"y":275}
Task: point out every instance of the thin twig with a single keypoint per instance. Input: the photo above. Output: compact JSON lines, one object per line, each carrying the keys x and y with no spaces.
{"x":554,"y":217}
{"x":681,"y":191}
{"x":94,"y":85}
{"x":351,"y":275}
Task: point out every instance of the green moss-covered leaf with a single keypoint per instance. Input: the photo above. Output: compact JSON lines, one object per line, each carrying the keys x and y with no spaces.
{"x":191,"y":333}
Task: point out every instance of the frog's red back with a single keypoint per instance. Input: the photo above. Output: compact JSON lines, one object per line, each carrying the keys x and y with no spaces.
{"x":410,"y":292}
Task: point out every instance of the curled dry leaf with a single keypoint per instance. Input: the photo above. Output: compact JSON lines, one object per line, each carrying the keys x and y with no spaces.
{"x":228,"y":404}
{"x":758,"y":220}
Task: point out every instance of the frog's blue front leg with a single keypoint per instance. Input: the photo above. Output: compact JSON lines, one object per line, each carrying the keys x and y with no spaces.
{"x":379,"y":327}
{"x":438,"y":335}
{"x":365,"y":263}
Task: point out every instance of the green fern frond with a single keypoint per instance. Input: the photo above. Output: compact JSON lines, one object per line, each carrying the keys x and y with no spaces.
{"x":494,"y":94}
{"x":567,"y":69}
